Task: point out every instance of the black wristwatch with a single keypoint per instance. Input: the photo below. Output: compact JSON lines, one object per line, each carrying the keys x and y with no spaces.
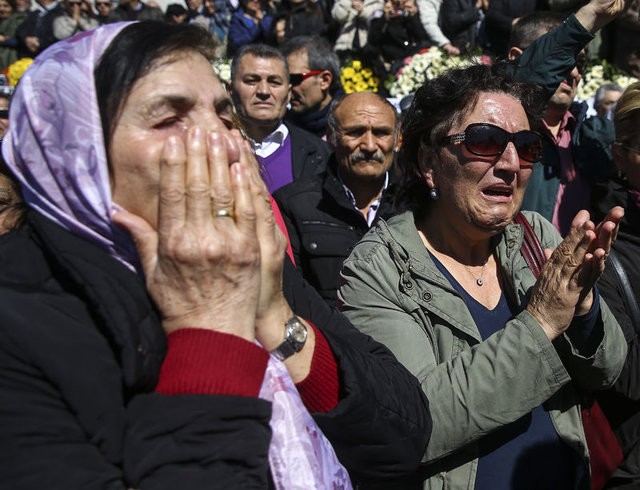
{"x":295,"y":336}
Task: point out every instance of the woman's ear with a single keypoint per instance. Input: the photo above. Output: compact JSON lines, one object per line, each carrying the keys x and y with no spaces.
{"x":426,"y":161}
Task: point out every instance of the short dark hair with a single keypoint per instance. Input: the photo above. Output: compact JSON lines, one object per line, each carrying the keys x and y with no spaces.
{"x":132,"y":54}
{"x":332,"y":122}
{"x":442,"y":103}
{"x":320,"y":55}
{"x":531,"y":26}
{"x":258,"y":51}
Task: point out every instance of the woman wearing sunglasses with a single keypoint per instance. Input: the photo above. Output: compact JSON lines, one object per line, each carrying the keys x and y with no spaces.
{"x":501,"y":356}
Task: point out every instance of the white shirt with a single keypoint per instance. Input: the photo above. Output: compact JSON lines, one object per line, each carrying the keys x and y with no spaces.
{"x":271,"y":143}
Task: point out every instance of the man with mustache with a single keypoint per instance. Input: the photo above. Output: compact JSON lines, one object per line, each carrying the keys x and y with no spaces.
{"x":327,"y":215}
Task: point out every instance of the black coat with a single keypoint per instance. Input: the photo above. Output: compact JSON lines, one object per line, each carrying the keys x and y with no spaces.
{"x":621,"y":404}
{"x":499,"y":17}
{"x":40,"y":25}
{"x":458,"y":19}
{"x":398,"y":37}
{"x":323,"y":227}
{"x":309,"y":154}
{"x":80,"y":350}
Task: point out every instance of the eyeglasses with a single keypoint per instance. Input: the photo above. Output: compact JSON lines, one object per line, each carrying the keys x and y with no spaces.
{"x":4,"y":113}
{"x":298,"y":78}
{"x":103,"y":4}
{"x":487,"y":140}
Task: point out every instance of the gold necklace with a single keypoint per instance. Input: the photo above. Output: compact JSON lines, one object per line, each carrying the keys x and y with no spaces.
{"x":479,"y":280}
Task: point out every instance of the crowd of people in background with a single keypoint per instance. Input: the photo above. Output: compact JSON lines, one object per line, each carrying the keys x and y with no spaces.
{"x":384,"y":32}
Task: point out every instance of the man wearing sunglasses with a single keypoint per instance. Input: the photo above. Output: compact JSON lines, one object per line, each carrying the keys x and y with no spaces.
{"x":315,"y":80}
{"x":260,"y":91}
{"x":106,"y":13}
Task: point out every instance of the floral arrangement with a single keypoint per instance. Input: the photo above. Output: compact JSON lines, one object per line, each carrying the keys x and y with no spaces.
{"x":222,"y":68}
{"x":358,"y":78}
{"x":598,"y":74}
{"x":425,"y":65}
{"x":16,"y":69}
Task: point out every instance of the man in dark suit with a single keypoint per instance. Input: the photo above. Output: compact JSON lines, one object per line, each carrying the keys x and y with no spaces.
{"x":260,"y":90}
{"x":35,"y":34}
{"x":327,"y":215}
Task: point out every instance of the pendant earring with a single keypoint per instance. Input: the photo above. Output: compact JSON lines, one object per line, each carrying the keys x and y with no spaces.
{"x":434,"y":194}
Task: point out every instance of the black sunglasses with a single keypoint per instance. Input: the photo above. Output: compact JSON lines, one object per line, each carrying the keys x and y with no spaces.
{"x":4,"y":113}
{"x":298,"y":78}
{"x":487,"y":140}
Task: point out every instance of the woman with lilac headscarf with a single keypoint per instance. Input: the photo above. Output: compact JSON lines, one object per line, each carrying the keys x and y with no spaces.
{"x":147,"y":329}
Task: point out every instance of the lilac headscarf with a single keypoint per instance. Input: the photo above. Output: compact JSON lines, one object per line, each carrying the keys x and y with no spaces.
{"x":55,"y":144}
{"x":55,"y":147}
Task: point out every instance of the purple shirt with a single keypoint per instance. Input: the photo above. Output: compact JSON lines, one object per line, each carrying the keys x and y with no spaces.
{"x":277,"y":167}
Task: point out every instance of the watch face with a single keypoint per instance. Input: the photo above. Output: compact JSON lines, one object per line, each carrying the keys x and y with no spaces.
{"x":298,"y":332}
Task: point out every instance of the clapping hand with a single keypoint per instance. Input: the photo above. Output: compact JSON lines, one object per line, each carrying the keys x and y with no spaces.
{"x":564,"y":288}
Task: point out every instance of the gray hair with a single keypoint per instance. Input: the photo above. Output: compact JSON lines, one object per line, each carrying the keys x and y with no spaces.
{"x":614,"y":87}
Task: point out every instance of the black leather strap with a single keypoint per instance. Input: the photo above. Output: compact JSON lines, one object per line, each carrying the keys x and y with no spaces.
{"x":629,"y":297}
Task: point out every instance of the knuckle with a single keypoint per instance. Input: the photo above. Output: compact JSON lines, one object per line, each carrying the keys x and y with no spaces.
{"x":198,"y":190}
{"x":171,"y":195}
{"x":221,"y":198}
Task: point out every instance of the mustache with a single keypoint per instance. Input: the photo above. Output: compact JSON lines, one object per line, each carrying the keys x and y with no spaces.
{"x":361,"y":156}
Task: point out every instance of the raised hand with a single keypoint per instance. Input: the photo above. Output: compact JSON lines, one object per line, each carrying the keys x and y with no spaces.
{"x":202,"y":264}
{"x":597,"y":13}
{"x":564,"y":287}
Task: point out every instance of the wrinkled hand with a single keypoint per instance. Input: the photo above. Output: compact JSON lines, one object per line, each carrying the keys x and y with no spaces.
{"x":273,"y":308}
{"x":201,"y":271}
{"x":564,"y":288}
{"x":597,"y":13}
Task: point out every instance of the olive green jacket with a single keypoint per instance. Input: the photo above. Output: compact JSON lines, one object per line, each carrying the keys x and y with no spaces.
{"x":394,"y":292}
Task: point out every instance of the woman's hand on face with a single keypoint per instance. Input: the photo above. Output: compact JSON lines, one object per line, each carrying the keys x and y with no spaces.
{"x":202,"y":271}
{"x":273,"y":308}
{"x":564,"y":288}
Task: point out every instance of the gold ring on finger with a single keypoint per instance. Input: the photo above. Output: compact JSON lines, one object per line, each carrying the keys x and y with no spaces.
{"x":223,"y":213}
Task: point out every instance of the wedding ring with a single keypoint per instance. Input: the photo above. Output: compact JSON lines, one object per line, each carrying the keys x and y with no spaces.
{"x":223,"y":213}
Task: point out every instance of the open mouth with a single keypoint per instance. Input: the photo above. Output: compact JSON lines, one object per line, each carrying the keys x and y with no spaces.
{"x":499,"y":193}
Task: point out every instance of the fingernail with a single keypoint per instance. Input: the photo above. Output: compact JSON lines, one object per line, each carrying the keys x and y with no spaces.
{"x":238,"y":172}
{"x":195,"y":136}
{"x":172,"y":142}
{"x":215,"y":138}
